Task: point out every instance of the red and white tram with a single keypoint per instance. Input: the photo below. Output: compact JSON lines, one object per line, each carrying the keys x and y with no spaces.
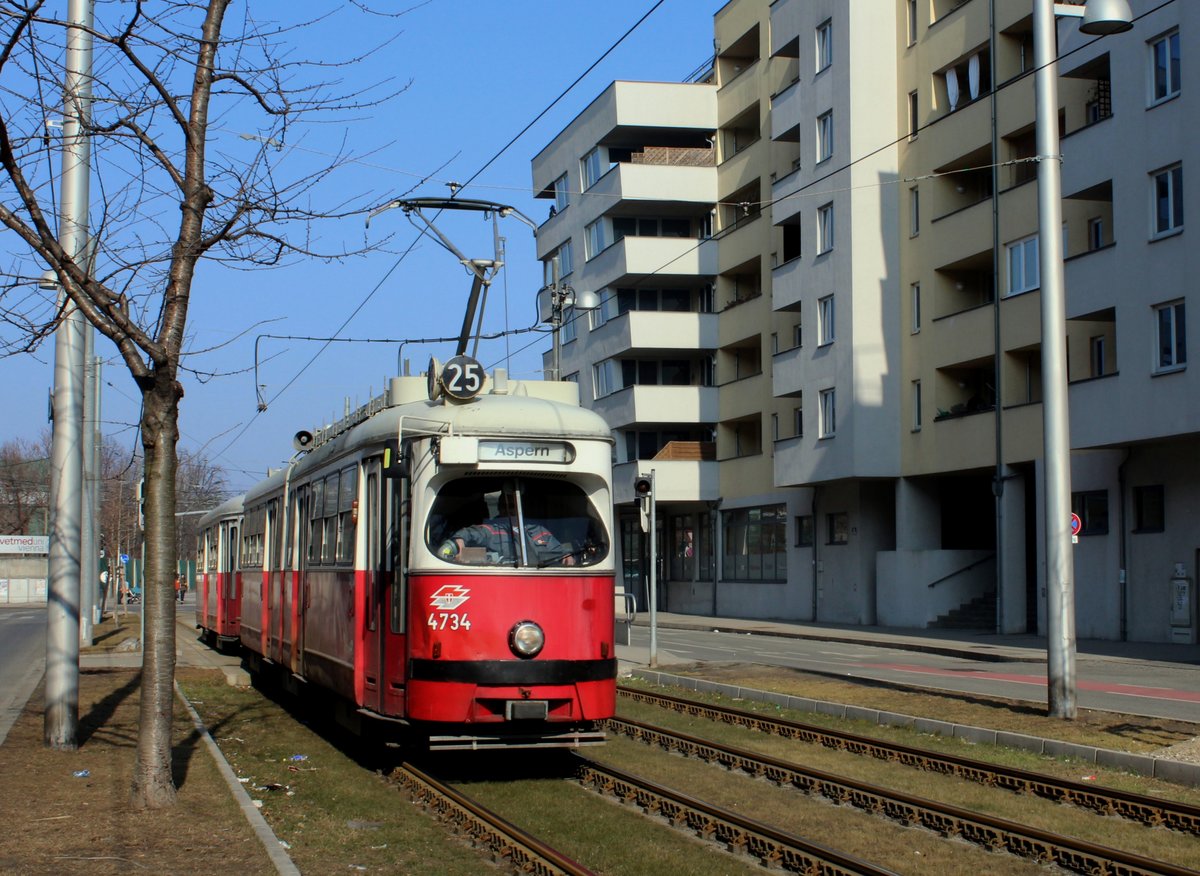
{"x":441,"y":561}
{"x":219,"y":579}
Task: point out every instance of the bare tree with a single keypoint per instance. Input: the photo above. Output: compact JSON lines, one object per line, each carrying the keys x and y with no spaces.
{"x":173,"y":188}
{"x":24,"y":486}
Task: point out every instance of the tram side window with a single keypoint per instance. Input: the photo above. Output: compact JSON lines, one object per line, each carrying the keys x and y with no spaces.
{"x":473,"y":521}
{"x":329,"y":522}
{"x":315,"y":524}
{"x":347,"y":493}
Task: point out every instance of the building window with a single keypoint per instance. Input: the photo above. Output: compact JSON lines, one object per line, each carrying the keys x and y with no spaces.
{"x":914,"y":211}
{"x":797,"y":334}
{"x":827,"y":427}
{"x":560,"y":193}
{"x":824,"y":136}
{"x":916,"y":398}
{"x":594,"y":239}
{"x":824,"y":228}
{"x":1164,"y":67}
{"x":837,"y":528}
{"x":592,"y":168}
{"x":1172,"y":337}
{"x":1168,"y":201}
{"x":804,"y":530}
{"x":825,"y":320}
{"x":824,"y":44}
{"x":912,"y":115}
{"x":1149,"y":513}
{"x":1099,"y":352}
{"x":562,"y":255}
{"x":606,"y":378}
{"x":1095,"y":233}
{"x":1023,"y":271}
{"x":798,"y":420}
{"x":912,"y":21}
{"x":755,"y":544}
{"x":1092,"y":508}
{"x":915,"y":289}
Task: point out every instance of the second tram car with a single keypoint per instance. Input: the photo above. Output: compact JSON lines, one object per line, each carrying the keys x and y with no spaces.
{"x":218,"y":579}
{"x":441,"y":561}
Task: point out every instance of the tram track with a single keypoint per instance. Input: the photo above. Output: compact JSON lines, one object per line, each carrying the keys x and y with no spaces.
{"x":485,"y":829}
{"x":989,"y":832}
{"x":1149,"y":811}
{"x":772,"y":847}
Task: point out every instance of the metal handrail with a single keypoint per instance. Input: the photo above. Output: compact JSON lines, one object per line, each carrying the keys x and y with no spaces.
{"x":965,"y":568}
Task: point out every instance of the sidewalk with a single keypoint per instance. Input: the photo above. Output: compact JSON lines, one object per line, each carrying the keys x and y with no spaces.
{"x":966,"y":644}
{"x":189,"y":651}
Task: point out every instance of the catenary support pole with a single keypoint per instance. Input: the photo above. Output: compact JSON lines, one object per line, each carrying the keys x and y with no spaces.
{"x":66,"y":483}
{"x":1060,"y":573}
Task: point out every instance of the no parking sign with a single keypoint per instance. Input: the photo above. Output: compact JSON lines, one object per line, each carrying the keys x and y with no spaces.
{"x":1076,"y":525}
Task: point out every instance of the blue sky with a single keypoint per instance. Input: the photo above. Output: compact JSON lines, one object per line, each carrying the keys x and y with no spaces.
{"x":480,"y":71}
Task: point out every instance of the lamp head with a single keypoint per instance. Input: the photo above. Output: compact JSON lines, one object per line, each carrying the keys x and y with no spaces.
{"x":1103,"y":17}
{"x":586,"y":300}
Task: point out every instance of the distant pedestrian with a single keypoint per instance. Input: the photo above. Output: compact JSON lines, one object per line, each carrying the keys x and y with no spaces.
{"x":179,"y":591}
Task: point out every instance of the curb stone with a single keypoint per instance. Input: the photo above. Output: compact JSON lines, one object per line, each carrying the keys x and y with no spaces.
{"x":283,"y":863}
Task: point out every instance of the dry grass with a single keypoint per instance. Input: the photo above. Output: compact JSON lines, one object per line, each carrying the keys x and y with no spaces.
{"x":55,"y":822}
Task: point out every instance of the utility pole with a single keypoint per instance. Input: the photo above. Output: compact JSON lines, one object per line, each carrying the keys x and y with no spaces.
{"x":62,"y":620}
{"x":1102,"y":17}
{"x":643,"y":490}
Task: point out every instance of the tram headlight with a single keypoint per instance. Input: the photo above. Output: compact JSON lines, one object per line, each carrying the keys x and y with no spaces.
{"x":526,"y":639}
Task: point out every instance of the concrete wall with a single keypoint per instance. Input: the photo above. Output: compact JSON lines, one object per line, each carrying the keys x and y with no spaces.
{"x":22,"y":580}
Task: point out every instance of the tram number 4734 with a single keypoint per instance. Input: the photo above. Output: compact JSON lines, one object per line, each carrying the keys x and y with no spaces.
{"x":448,"y":620}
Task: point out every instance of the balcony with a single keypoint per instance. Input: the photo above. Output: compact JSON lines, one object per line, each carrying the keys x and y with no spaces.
{"x":674,"y":480}
{"x":1092,"y":280}
{"x":649,"y":256}
{"x":785,"y":24}
{"x":655,"y":186}
{"x":738,"y":90}
{"x":786,"y":108}
{"x":957,"y":133}
{"x":787,"y":285}
{"x":655,"y":330}
{"x":962,"y":337}
{"x":787,"y":372}
{"x":658,"y":404}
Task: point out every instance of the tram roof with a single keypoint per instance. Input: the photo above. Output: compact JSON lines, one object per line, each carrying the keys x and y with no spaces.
{"x":527,"y":409}
{"x":228,"y":508}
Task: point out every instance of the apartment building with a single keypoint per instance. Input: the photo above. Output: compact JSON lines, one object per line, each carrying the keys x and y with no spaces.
{"x":830,"y":356}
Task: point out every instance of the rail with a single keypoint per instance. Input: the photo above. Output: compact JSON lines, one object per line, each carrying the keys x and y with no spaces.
{"x":773,"y":847}
{"x":987,"y":831}
{"x":1151,"y":811}
{"x":525,"y":853}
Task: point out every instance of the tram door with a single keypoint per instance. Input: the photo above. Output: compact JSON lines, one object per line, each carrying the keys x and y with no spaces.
{"x":299,"y":589}
{"x":371,"y":581}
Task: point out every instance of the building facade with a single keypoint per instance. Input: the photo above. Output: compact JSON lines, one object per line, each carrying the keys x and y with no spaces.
{"x":821,"y":319}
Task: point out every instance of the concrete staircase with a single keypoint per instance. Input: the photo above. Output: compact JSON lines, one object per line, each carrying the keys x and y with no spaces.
{"x":978,"y":614}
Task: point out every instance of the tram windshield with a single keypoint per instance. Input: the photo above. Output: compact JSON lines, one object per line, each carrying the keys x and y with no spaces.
{"x":473,"y":521}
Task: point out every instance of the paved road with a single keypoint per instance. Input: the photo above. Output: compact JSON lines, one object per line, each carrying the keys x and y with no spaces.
{"x":22,"y":659}
{"x":1140,"y":687}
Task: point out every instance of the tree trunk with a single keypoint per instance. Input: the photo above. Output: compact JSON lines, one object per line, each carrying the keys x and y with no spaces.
{"x":153,"y":782}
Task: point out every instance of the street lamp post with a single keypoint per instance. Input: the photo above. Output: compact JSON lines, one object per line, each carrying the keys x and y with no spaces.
{"x":1100,"y":17}
{"x":553,"y":302}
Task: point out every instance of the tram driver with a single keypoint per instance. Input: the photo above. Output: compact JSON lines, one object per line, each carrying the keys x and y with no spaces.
{"x":495,"y":536}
